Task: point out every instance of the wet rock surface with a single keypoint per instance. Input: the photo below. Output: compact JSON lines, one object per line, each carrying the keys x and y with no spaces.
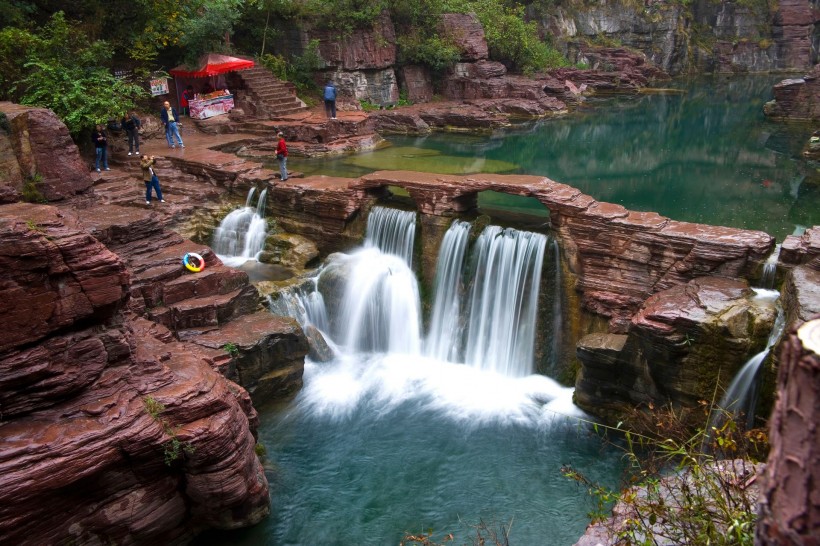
{"x":796,"y":98}
{"x":682,"y":343}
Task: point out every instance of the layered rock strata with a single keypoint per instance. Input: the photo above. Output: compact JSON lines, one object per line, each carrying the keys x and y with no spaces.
{"x":38,"y":152}
{"x":685,"y":341}
{"x":789,"y":511}
{"x":796,"y":98}
{"x":112,"y":430}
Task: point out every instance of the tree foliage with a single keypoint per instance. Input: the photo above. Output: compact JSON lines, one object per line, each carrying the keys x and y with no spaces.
{"x":59,"y":68}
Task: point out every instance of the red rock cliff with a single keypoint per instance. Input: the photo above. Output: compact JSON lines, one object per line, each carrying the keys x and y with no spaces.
{"x":111,"y":431}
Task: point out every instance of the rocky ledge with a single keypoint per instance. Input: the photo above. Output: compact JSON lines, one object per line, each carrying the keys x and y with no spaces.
{"x":112,"y":430}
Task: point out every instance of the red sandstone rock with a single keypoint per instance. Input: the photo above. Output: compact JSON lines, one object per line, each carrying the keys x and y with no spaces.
{"x":373,"y":48}
{"x":82,"y":456}
{"x":464,"y":30}
{"x":796,"y":98}
{"x":789,"y":512}
{"x":43,"y":147}
{"x":52,"y":276}
{"x":683,"y":342}
{"x":416,"y":82}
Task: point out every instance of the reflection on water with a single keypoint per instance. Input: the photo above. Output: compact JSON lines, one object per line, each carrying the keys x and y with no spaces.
{"x":707,"y":155}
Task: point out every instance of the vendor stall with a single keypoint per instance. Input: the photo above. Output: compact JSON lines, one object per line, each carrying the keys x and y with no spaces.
{"x":207,"y":103}
{"x":213,"y":104}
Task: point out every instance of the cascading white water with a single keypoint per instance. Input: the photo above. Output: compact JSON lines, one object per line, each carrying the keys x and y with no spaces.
{"x":741,"y":396}
{"x":381,"y":306}
{"x":557,"y":315}
{"x":504,"y":300}
{"x":241,"y":234}
{"x":392,"y":231}
{"x":767,"y":277}
{"x":444,"y":339}
{"x":305,"y":304}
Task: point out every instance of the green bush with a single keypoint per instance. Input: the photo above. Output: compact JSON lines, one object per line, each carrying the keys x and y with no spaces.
{"x":299,"y":70}
{"x":66,"y":72}
{"x":31,"y":190}
{"x":432,"y":51}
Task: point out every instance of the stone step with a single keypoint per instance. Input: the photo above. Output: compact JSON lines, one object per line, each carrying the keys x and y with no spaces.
{"x":205,"y":312}
{"x":212,"y":280}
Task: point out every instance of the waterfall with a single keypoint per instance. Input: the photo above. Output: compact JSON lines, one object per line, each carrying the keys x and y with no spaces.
{"x":504,"y":300}
{"x":557,"y":314}
{"x":741,"y":396}
{"x":443,"y":340}
{"x":241,"y":234}
{"x":767,"y":277}
{"x":381,"y":306}
{"x":304,"y":303}
{"x":392,"y":231}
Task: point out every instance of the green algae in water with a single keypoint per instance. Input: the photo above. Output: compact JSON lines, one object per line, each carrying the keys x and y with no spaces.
{"x":406,"y":158}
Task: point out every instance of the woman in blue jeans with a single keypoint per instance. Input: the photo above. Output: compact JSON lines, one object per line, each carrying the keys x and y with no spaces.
{"x":101,"y":147}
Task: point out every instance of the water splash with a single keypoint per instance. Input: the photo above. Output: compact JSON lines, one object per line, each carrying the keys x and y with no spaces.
{"x":392,"y":231}
{"x":504,"y":300}
{"x":443,"y":340}
{"x":241,"y":234}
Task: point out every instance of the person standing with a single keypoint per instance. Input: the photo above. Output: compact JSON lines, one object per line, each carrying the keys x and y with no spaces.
{"x":131,"y":125}
{"x":100,"y":141}
{"x":187,"y":97}
{"x":282,"y":155}
{"x":170,"y":118}
{"x":150,"y":179}
{"x":330,"y":100}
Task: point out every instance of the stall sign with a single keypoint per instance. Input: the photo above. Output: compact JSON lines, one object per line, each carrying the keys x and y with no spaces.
{"x":159,"y":87}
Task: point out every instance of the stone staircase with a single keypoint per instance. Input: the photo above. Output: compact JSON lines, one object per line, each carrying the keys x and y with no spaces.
{"x":262,"y":95}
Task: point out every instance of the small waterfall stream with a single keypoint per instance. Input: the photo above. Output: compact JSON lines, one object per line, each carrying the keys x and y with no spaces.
{"x":241,"y":234}
{"x":392,"y":231}
{"x":741,"y":396}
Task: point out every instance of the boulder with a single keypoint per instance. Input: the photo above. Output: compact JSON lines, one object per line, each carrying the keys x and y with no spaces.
{"x":46,"y":156}
{"x":683,"y":342}
{"x":796,"y":98}
{"x":464,"y":31}
{"x":366,"y":49}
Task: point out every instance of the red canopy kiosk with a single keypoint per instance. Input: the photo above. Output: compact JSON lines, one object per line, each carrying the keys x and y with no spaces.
{"x":220,"y":101}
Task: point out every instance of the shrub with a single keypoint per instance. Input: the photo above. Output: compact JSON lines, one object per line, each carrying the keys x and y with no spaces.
{"x":704,"y":498}
{"x":231,"y":349}
{"x":31,"y":190}
{"x":432,"y":51}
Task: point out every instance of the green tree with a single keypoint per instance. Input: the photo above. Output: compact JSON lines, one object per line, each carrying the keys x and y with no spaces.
{"x":207,"y":28}
{"x":62,"y":70}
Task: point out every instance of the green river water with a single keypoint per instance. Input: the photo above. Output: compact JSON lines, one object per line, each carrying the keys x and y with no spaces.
{"x":376,"y":446}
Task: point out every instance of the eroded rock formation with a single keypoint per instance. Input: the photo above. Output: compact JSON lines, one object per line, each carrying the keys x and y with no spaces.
{"x":38,"y":152}
{"x":789,"y":509}
{"x":684,"y":342}
{"x":796,"y":98}
{"x":112,"y":430}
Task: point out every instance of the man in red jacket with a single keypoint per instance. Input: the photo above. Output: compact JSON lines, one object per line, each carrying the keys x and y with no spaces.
{"x":282,"y":155}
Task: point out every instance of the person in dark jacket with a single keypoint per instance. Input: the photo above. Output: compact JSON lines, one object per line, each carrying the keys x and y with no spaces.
{"x":131,"y":125}
{"x":150,"y":179}
{"x":282,"y":156}
{"x":170,"y":118}
{"x":100,"y":140}
{"x":330,"y":100}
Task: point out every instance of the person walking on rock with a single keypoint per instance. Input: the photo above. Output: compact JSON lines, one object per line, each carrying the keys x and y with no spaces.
{"x":150,"y":179}
{"x":282,"y":155}
{"x":131,"y":124}
{"x":330,"y":100}
{"x":100,"y":141}
{"x":170,"y":118}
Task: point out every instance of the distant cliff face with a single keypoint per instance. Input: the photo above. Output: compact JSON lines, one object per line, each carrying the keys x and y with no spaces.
{"x":703,"y":36}
{"x":677,"y":36}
